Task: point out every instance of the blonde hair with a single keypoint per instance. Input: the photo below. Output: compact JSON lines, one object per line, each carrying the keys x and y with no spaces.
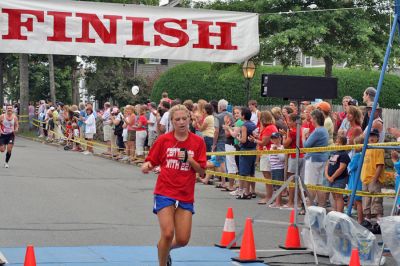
{"x":201,"y":106}
{"x":276,"y":112}
{"x":130,"y":107}
{"x":266,"y":118}
{"x":178,"y":107}
{"x":188,"y":104}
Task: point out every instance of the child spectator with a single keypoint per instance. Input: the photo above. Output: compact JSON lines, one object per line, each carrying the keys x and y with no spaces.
{"x":212,"y":165}
{"x":372,"y":176}
{"x":353,"y":165}
{"x":50,"y":127}
{"x":289,"y":142}
{"x":336,"y":172}
{"x":396,"y":165}
{"x":76,"y":135}
{"x":277,"y":162}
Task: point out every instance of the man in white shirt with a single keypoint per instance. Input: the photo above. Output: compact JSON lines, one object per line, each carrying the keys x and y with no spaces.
{"x":165,"y":122}
{"x":107,"y":127}
{"x":152,"y":123}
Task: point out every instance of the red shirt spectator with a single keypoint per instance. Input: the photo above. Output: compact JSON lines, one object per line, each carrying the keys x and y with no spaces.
{"x":142,"y":123}
{"x":267,"y":132}
{"x":292,"y":134}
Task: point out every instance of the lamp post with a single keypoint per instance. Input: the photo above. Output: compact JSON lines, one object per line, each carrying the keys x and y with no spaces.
{"x":248,"y":72}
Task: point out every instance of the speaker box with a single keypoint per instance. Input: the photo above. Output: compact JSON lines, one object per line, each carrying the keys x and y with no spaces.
{"x":298,"y":87}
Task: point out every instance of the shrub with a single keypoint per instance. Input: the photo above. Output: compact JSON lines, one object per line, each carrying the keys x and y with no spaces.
{"x":211,"y":81}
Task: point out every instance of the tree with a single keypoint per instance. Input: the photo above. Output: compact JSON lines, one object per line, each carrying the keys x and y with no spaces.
{"x":52,"y":80}
{"x":112,"y":78}
{"x":2,"y":57}
{"x":24,"y":88}
{"x":337,"y":31}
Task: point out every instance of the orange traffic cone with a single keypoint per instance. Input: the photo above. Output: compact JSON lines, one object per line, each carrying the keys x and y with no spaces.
{"x":248,"y":249}
{"x":228,"y":233}
{"x":291,"y":219}
{"x":30,"y":257}
{"x":355,"y":258}
{"x":292,"y":236}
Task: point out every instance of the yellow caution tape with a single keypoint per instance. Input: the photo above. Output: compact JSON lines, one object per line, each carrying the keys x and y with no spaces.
{"x":309,"y":187}
{"x":303,"y":150}
{"x":268,"y":181}
{"x":76,"y":140}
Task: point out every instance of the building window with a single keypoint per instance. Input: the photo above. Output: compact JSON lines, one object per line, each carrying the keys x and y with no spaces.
{"x":154,"y":61}
{"x":307,"y":61}
{"x":268,"y":63}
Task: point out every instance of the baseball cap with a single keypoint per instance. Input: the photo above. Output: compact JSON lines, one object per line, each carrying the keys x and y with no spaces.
{"x":374,"y":132}
{"x":52,"y":108}
{"x":353,"y":102}
{"x":276,"y":135}
{"x":324,"y":106}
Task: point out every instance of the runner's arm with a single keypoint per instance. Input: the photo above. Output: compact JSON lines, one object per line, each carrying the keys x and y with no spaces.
{"x":147,"y":167}
{"x":196,"y":166}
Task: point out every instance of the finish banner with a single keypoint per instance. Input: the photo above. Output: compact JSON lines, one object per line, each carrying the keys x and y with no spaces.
{"x":119,"y":30}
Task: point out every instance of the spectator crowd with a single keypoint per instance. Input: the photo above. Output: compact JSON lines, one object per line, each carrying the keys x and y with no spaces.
{"x":128,"y":132}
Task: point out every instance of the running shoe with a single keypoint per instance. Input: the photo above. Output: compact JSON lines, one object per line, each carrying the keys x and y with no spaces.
{"x":125,"y":158}
{"x":6,"y":165}
{"x":236,"y":192}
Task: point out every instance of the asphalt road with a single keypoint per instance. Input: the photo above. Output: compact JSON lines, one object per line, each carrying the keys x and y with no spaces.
{"x":52,"y":197}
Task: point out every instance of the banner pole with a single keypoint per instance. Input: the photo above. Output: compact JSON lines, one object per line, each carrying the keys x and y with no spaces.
{"x":374,"y":106}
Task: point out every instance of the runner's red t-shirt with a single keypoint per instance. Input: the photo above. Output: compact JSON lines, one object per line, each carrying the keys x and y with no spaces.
{"x":177,"y":179}
{"x":292,"y":134}
{"x":267,"y":132}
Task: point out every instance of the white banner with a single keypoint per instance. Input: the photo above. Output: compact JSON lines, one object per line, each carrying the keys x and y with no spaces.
{"x":117,"y":30}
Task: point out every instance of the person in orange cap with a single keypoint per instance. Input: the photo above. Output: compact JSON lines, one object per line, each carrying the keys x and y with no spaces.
{"x":325,"y":107}
{"x":180,"y":154}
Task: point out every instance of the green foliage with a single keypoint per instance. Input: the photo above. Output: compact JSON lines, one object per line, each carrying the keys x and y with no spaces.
{"x":112,"y":78}
{"x":346,"y":33}
{"x":204,"y":81}
{"x":39,"y":84}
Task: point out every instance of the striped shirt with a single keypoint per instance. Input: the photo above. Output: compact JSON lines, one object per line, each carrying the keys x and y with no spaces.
{"x":277,"y":160}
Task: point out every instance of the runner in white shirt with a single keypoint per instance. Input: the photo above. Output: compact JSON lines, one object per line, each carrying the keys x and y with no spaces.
{"x":8,"y":126}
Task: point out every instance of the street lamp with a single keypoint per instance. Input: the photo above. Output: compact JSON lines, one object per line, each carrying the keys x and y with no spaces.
{"x":248,"y":72}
